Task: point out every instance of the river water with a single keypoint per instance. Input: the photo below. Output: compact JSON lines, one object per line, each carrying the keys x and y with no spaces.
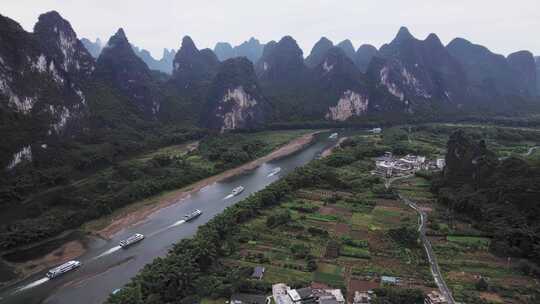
{"x":106,"y":267}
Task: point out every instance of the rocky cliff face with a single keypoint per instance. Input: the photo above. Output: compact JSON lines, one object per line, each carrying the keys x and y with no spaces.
{"x":343,"y":88}
{"x":41,"y":80}
{"x":363,"y":56}
{"x":119,"y":66}
{"x":318,"y":52}
{"x":418,"y":72}
{"x":58,"y":39}
{"x":349,"y":105}
{"x":524,"y":66}
{"x":235,"y":100}
{"x":191,"y":66}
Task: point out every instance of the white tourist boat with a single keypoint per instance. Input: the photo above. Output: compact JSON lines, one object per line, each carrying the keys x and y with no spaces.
{"x":275,"y":171}
{"x":67,"y":266}
{"x":193,"y":215}
{"x":137,"y":237}
{"x":237,"y":190}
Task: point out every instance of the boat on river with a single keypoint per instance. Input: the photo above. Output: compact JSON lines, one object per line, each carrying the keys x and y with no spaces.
{"x":333,"y":136}
{"x":137,"y":237}
{"x":275,"y":171}
{"x":236,"y":191}
{"x":192,"y":215}
{"x":66,"y":267}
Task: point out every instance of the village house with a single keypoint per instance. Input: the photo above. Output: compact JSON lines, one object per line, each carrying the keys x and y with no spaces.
{"x":283,"y":294}
{"x":441,"y":162}
{"x":388,"y":280}
{"x":435,"y":297}
{"x":361,"y":298}
{"x":280,"y":294}
{"x":384,"y":168}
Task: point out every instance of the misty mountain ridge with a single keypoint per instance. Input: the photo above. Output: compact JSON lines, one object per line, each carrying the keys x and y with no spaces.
{"x":164,"y":64}
{"x":252,"y":49}
{"x":53,"y":89}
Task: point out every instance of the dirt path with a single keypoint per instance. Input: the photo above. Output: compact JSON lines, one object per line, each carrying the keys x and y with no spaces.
{"x":132,"y":217}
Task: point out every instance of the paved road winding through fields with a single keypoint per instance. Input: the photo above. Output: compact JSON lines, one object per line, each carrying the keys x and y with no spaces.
{"x":434,"y":266}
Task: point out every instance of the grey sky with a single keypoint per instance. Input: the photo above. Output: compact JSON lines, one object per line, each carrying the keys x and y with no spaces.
{"x":502,"y":26}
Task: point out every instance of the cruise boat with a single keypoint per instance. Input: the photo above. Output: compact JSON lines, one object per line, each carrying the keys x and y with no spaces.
{"x":68,"y":266}
{"x":333,"y":136}
{"x":275,"y":171}
{"x":137,"y":237}
{"x":237,"y":190}
{"x":191,"y":216}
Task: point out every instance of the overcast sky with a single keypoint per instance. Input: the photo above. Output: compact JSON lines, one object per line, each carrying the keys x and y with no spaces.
{"x":503,"y":26}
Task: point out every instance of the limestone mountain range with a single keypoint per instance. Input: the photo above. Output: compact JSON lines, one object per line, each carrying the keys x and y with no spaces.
{"x":56,"y":87}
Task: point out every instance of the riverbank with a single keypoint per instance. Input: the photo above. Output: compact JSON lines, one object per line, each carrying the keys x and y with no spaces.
{"x":25,"y":262}
{"x":139,"y":212}
{"x":329,"y":151}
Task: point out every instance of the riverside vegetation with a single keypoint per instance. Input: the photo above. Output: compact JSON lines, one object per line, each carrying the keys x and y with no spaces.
{"x":39,"y":213}
{"x":329,"y":222}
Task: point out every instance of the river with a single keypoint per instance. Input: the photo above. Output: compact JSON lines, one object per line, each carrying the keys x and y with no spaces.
{"x":106,"y":267}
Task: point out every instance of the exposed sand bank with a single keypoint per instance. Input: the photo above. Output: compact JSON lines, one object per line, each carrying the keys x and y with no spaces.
{"x":132,"y":217}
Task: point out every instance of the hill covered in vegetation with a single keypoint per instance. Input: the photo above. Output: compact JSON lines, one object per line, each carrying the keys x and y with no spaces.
{"x":500,"y":195}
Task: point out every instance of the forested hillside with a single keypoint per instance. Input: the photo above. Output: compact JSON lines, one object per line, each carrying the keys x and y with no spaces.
{"x":500,"y":195}
{"x":31,"y":214}
{"x":64,"y":115}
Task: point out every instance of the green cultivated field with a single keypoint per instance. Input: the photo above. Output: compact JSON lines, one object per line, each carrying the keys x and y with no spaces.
{"x":350,"y":238}
{"x":464,"y":256}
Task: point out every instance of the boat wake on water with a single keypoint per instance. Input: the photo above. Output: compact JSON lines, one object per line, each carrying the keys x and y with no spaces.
{"x":31,"y":285}
{"x":236,"y":191}
{"x":175,"y":224}
{"x":274,"y":172}
{"x":178,"y":223}
{"x":112,"y":250}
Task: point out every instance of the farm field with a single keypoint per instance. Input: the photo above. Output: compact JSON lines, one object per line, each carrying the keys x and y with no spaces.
{"x":328,"y":238}
{"x":333,"y":223}
{"x":473,"y":273}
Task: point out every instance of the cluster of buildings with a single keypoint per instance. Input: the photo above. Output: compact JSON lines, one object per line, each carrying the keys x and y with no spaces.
{"x":365,"y":297}
{"x":435,"y":297}
{"x":284,"y":294}
{"x":389,"y":165}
